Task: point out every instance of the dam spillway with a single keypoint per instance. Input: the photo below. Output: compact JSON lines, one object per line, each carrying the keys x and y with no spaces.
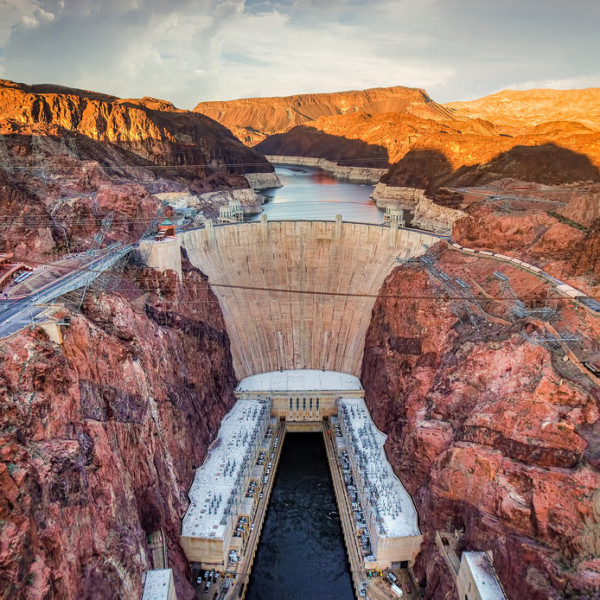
{"x":297,"y":294}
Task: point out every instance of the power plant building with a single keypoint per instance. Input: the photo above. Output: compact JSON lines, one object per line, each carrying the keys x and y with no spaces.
{"x":384,"y":506}
{"x":219,"y":486}
{"x":302,"y":397}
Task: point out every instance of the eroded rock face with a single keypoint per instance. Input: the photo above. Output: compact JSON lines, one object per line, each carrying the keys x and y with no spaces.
{"x":563,"y":249}
{"x":253,"y":119}
{"x":153,"y":129}
{"x":491,"y":434}
{"x":100,"y":438}
{"x":514,"y":109}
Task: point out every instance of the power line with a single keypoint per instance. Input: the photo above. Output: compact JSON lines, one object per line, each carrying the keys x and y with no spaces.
{"x":211,"y":285}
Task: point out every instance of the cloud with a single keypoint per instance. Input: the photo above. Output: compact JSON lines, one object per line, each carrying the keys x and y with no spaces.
{"x":187,"y":51}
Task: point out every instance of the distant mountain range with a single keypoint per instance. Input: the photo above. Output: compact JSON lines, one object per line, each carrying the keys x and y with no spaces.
{"x":379,"y":127}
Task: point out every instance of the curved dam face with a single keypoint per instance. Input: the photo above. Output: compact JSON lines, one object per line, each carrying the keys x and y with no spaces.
{"x":298,"y":294}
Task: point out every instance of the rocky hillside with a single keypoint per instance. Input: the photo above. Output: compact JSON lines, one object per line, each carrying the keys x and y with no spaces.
{"x":493,"y":434}
{"x":533,"y":160}
{"x":473,"y":145}
{"x":153,"y":129}
{"x":253,"y":119}
{"x":55,"y":203}
{"x":100,"y":437}
{"x":70,"y":158}
{"x":516,"y":110}
{"x":466,"y":149}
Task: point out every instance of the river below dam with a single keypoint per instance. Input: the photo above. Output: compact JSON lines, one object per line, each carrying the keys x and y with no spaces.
{"x":312,"y":194}
{"x":301,"y":554}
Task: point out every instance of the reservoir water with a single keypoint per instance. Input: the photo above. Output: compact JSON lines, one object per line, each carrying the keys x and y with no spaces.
{"x":314,"y":194}
{"x":301,"y":554}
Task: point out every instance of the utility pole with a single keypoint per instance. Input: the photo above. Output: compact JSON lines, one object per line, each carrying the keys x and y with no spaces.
{"x":5,"y":161}
{"x":38,"y":158}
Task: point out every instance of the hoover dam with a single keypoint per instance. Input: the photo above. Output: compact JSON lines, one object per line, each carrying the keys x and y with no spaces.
{"x":162,"y":417}
{"x":295,"y":294}
{"x":297,"y":298}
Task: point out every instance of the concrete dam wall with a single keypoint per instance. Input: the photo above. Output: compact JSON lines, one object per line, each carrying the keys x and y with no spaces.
{"x":298,"y":294}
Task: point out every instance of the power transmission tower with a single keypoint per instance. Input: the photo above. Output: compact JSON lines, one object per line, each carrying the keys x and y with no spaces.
{"x":456,"y":290}
{"x":38,"y":158}
{"x":518,"y":310}
{"x":68,"y":147}
{"x":5,"y":161}
{"x":105,"y":226}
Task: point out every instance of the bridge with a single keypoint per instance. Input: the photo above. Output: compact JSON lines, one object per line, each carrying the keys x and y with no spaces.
{"x":30,"y":309}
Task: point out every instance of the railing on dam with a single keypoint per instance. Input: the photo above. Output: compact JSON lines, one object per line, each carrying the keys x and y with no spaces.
{"x":379,"y":225}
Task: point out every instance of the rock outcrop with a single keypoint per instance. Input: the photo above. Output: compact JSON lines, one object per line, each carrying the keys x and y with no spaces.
{"x":263,"y":181}
{"x":420,"y":211}
{"x":251,"y":201}
{"x":560,"y":246}
{"x":153,"y":129}
{"x":253,"y":119}
{"x":100,"y":437}
{"x":518,"y":109}
{"x":492,"y":434}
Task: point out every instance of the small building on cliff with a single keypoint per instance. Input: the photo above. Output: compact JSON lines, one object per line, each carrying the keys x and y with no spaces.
{"x":159,"y":585}
{"x":477,"y":578}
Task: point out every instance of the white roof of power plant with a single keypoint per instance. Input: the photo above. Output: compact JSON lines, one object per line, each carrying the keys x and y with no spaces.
{"x":299,"y":380}
{"x":157,"y":584}
{"x":389,"y":501}
{"x":219,"y":479}
{"x":483,"y":575}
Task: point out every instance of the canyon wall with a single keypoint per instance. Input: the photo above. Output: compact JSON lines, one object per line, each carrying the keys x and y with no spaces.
{"x":69,"y":158}
{"x":298,"y":294}
{"x":253,"y":119}
{"x":153,"y":129}
{"x":100,"y":437}
{"x":494,"y":435}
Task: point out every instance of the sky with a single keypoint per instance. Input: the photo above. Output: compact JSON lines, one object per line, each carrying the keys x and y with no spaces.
{"x":188,"y":51}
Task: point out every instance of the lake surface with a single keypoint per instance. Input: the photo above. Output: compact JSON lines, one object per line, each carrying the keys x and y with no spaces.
{"x":301,"y":553}
{"x":314,"y":194}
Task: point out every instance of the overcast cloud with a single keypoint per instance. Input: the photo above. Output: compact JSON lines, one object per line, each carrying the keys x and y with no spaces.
{"x":188,"y":51}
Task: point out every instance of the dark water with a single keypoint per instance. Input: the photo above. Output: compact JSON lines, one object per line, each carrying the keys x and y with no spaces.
{"x":301,"y":554}
{"x":313,"y":194}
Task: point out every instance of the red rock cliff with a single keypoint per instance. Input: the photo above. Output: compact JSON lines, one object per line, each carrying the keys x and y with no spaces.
{"x":153,"y":129}
{"x":253,"y":119}
{"x":546,"y":143}
{"x":99,"y":438}
{"x":491,"y":434}
{"x":61,"y":149}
